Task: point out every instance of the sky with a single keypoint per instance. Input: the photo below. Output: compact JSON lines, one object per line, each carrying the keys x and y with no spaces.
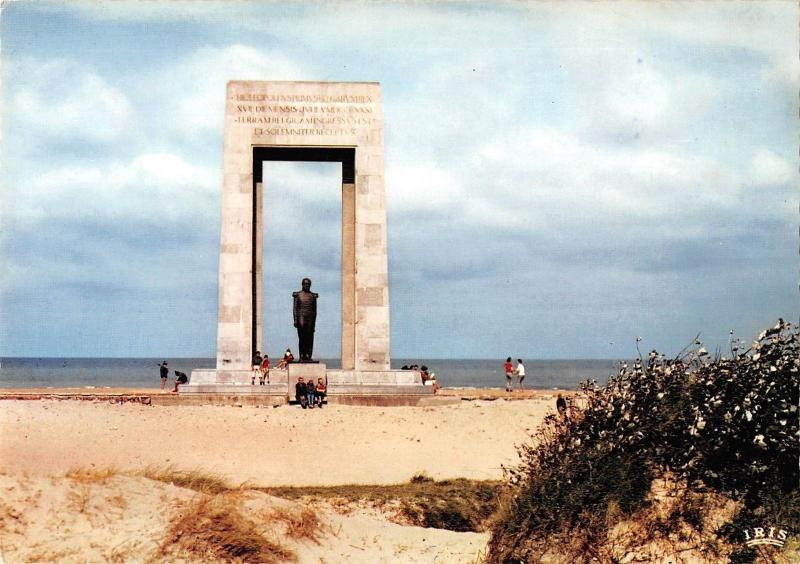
{"x":561,"y":178}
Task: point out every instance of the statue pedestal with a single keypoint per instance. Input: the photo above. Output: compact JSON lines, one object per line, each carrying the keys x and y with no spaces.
{"x":239,"y":382}
{"x":304,"y":370}
{"x":341,"y":383}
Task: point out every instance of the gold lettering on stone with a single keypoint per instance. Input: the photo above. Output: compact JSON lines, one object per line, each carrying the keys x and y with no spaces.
{"x":303,"y":98}
{"x":294,"y":114}
{"x":304,"y":131}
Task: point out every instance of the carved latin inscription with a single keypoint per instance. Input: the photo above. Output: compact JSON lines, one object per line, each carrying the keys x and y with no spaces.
{"x":295,"y":114}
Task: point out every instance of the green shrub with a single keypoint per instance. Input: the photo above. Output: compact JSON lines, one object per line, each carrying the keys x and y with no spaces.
{"x":724,"y":426}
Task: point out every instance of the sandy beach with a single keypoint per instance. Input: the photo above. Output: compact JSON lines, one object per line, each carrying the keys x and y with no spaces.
{"x":270,"y":446}
{"x":43,"y":440}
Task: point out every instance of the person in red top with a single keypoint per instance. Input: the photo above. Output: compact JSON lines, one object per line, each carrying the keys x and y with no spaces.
{"x":264,"y":370}
{"x":321,"y":391}
{"x":287,"y":358}
{"x":509,"y":370}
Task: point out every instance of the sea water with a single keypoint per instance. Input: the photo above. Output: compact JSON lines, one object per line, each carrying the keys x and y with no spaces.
{"x":144,"y":372}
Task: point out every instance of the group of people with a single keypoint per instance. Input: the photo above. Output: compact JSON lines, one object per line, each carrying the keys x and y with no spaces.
{"x":511,"y":371}
{"x":428,"y":378}
{"x":310,"y":395}
{"x":261,"y":366}
{"x":519,"y":371}
{"x":180,"y":377}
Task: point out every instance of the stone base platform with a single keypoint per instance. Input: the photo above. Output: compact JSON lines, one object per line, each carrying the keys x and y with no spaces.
{"x":153,"y":396}
{"x":228,"y":399}
{"x":345,"y":383}
{"x":396,"y":400}
{"x":235,"y":382}
{"x":235,"y":389}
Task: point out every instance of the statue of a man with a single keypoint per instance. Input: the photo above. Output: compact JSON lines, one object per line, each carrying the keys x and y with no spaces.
{"x":305,"y":318}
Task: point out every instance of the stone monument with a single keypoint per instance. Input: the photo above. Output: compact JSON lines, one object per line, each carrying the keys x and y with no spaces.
{"x":305,"y":121}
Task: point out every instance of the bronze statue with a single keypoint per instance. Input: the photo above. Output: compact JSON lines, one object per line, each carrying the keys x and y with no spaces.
{"x":305,"y":318}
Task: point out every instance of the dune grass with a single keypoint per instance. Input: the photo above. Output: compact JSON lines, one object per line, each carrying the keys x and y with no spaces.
{"x":456,"y":505}
{"x":91,"y":475}
{"x":299,"y":525}
{"x":196,"y":480}
{"x":213,"y":528}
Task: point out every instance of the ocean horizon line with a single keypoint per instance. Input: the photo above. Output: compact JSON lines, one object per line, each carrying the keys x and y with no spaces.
{"x":431,"y":358}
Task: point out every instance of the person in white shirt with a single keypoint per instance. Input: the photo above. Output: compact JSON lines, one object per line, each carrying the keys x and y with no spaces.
{"x":520,"y":372}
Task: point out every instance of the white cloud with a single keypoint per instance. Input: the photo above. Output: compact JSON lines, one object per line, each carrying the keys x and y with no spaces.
{"x":341,"y":23}
{"x":629,"y":90}
{"x":311,"y":182}
{"x":152,"y":11}
{"x":191,"y":92}
{"x":471,"y":138}
{"x":767,"y":27}
{"x":149,"y":186}
{"x":422,"y":187}
{"x":80,"y":221}
{"x":642,"y":97}
{"x":165,"y":170}
{"x":560,"y":167}
{"x":63,"y":98}
{"x":768,"y":169}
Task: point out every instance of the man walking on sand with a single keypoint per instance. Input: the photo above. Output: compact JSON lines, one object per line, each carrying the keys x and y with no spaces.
{"x":520,"y":373}
{"x":164,"y":375}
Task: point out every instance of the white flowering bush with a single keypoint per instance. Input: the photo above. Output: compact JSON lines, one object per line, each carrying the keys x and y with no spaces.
{"x":724,"y":426}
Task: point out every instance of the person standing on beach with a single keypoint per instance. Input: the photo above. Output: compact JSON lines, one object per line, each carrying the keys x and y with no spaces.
{"x":508,"y":368}
{"x":561,"y":406}
{"x":520,"y":370}
{"x":164,"y":375}
{"x":256,"y":367}
{"x":264,"y":369}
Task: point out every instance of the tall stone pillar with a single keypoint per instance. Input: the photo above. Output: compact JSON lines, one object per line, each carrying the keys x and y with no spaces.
{"x":258,"y":257}
{"x":235,"y":325}
{"x":348,"y":276}
{"x":371,"y":264}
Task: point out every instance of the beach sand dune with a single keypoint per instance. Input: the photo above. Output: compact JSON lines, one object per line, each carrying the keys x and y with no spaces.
{"x":270,"y":446}
{"x":130,"y":519}
{"x":74,"y":487}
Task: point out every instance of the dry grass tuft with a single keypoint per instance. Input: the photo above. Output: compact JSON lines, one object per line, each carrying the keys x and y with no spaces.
{"x":212,"y":528}
{"x":11,"y":519}
{"x":456,"y":504}
{"x":211,"y":484}
{"x":91,"y":475}
{"x":79,"y":500}
{"x":420,"y":478}
{"x":42,"y":555}
{"x":302,"y":525}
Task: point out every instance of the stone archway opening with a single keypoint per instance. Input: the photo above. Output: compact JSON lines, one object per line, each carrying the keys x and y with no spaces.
{"x":345,"y":158}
